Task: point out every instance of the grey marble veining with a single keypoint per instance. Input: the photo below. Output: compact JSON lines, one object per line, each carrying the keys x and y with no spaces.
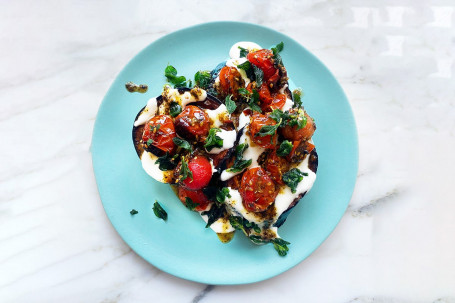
{"x":395,"y":61}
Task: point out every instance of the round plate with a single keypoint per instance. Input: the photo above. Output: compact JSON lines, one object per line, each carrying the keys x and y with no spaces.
{"x":182,"y":246}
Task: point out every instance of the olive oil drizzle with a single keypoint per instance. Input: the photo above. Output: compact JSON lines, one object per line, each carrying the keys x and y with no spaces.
{"x":136,"y":88}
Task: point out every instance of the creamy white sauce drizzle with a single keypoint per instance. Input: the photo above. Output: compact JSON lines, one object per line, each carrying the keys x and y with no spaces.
{"x":234,"y":52}
{"x":185,"y":98}
{"x":285,"y":196}
{"x":148,"y":113}
{"x":217,"y":116}
{"x":228,"y":137}
{"x":220,"y":226}
{"x":150,"y":166}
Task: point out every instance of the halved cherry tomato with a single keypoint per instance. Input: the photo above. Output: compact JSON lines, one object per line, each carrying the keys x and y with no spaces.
{"x":263,"y":59}
{"x":257,"y":122}
{"x":230,"y":81}
{"x":264,"y":95}
{"x":278,"y":101}
{"x":160,"y":129}
{"x":257,"y":190}
{"x":197,"y":197}
{"x":202,"y":173}
{"x":295,"y":134}
{"x":274,"y":166}
{"x":192,"y":123}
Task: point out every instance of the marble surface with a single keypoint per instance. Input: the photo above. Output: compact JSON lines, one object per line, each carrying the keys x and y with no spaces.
{"x":395,"y":61}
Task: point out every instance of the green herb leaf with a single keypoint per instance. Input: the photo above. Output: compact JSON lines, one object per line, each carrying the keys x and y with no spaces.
{"x":244,"y":225}
{"x":214,"y":213}
{"x":159,"y":211}
{"x":230,"y":104}
{"x":221,"y":194}
{"x":278,"y":115}
{"x":292,"y":178}
{"x":278,"y":48}
{"x":244,"y":92}
{"x":166,"y":162}
{"x":171,"y":74}
{"x":281,"y":246}
{"x":213,"y":140}
{"x":243,"y":52}
{"x":284,"y":149}
{"x":240,"y":164}
{"x":256,"y":239}
{"x":133,"y":212}
{"x":252,"y":99}
{"x":202,"y":79}
{"x":149,"y":142}
{"x":182,"y":144}
{"x":298,"y":119}
{"x":190,"y":204}
{"x":259,"y":74}
{"x":297,"y":97}
{"x":174,"y":109}
{"x":276,"y":56}
{"x":246,"y":66}
{"x":185,"y":171}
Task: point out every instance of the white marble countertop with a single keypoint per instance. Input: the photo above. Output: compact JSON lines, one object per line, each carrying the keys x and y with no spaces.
{"x":395,"y":61}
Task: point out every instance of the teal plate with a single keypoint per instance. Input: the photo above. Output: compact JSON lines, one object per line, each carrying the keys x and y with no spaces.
{"x":182,"y":246}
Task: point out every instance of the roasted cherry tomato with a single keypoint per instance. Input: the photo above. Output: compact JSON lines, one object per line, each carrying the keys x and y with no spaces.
{"x":264,"y":95}
{"x":230,"y":81}
{"x":257,"y":190}
{"x":295,"y":134}
{"x":274,"y":166}
{"x":257,"y":122}
{"x":197,"y":197}
{"x":202,"y":173}
{"x":263,"y":59}
{"x":278,"y":101}
{"x":160,"y":129}
{"x":192,"y":123}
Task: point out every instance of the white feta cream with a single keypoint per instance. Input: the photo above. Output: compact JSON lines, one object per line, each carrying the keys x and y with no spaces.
{"x":234,"y":52}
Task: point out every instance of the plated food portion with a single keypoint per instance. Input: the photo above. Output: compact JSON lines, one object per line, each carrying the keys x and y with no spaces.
{"x":236,"y":146}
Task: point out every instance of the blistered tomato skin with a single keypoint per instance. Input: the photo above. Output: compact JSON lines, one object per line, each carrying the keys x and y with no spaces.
{"x":257,"y":190}
{"x":257,"y":122}
{"x":197,"y":197}
{"x":230,"y":81}
{"x":192,"y":123}
{"x":160,"y":129}
{"x":264,"y":60}
{"x":295,"y":134}
{"x":273,"y":166}
{"x":202,"y":173}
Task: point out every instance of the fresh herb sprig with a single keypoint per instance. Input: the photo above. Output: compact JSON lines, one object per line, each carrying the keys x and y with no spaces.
{"x":159,"y":211}
{"x":292,"y":178}
{"x":276,"y":56}
{"x":174,"y":109}
{"x":240,"y":164}
{"x":167,"y":162}
{"x":221,"y":195}
{"x":230,"y":104}
{"x":183,"y":144}
{"x":280,"y":245}
{"x":284,"y":149}
{"x":243,"y":52}
{"x":202,"y":79}
{"x":244,"y":225}
{"x":190,"y":204}
{"x":214,"y":213}
{"x":185,"y":171}
{"x":133,"y":212}
{"x":252,"y":99}
{"x":213,"y":140}
{"x":297,"y":98}
{"x":170,"y":73}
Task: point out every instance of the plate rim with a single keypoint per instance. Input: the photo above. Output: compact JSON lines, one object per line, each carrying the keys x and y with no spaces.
{"x":218,"y":281}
